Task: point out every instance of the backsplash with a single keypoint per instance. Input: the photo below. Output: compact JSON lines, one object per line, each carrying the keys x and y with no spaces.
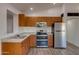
{"x":31,"y":29}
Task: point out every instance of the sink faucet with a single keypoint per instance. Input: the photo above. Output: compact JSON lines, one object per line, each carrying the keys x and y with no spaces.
{"x":18,"y":35}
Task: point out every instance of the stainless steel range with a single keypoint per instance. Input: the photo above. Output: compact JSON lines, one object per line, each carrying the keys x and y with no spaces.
{"x":42,"y":36}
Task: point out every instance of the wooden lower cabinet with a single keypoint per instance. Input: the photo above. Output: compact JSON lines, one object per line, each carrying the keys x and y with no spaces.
{"x":33,"y":41}
{"x":50,"y":41}
{"x":19,"y":48}
{"x":12,"y":48}
{"x":25,"y":46}
{"x":22,"y":48}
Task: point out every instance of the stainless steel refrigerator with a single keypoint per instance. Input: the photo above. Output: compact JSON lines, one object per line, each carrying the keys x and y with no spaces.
{"x":60,"y":35}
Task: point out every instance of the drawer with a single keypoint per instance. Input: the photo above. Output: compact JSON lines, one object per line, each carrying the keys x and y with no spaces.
{"x":42,"y":37}
{"x":42,"y":43}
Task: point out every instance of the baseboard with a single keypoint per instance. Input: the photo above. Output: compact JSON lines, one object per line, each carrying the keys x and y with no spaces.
{"x":73,"y":44}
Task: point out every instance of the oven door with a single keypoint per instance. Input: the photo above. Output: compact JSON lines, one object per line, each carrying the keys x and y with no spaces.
{"x":42,"y":37}
{"x":42,"y":43}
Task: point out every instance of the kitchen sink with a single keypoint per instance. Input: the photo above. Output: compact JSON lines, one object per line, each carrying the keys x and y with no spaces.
{"x":18,"y":37}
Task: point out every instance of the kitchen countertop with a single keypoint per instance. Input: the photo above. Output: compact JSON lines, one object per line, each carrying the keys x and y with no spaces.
{"x":19,"y":39}
{"x":15,"y":39}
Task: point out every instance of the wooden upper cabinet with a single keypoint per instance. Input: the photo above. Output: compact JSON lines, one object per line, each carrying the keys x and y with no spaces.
{"x":31,"y":21}
{"x":58,"y":19}
{"x":22,"y":19}
{"x":26,"y":21}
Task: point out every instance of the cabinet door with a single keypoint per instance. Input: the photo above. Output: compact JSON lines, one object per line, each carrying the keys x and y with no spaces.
{"x":58,"y":19}
{"x":27,"y":45}
{"x":32,"y":41}
{"x":24,"y":47}
{"x":22,"y":20}
{"x":6,"y":49}
{"x":28,"y":42}
{"x":50,"y":41}
{"x":11,"y":49}
{"x":16,"y":48}
{"x":31,"y":22}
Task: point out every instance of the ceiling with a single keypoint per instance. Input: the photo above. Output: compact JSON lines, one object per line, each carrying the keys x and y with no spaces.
{"x":35,"y":6}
